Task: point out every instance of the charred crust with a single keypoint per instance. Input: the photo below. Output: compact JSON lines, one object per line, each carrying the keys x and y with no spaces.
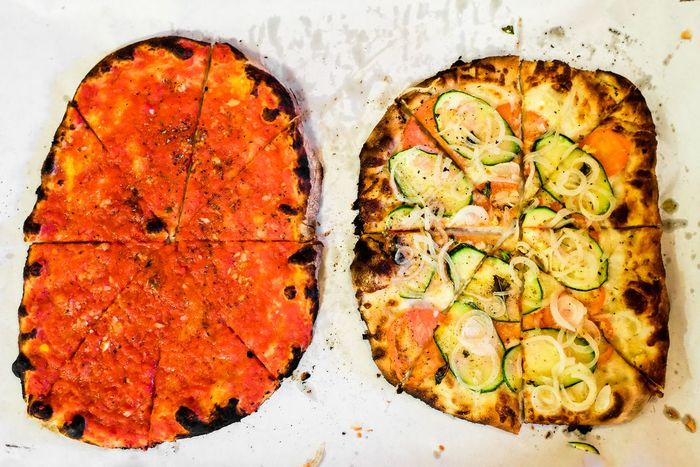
{"x":303,"y":172}
{"x":269,"y":115}
{"x":635,"y":300}
{"x":173,"y":45}
{"x":305,"y":255}
{"x":287,"y":209}
{"x":21,"y":365}
{"x":220,"y":417}
{"x":155,"y":225}
{"x":48,"y":165}
{"x":293,"y":362}
{"x":40,"y":410}
{"x":250,"y":354}
{"x":615,"y":409}
{"x":33,"y":269}
{"x":30,"y":227}
{"x":311,"y":293}
{"x":258,"y":76}
{"x":378,"y":353}
{"x":290,"y":292}
{"x":620,"y":214}
{"x":440,"y":374}
{"x":75,"y":428}
{"x":40,"y":193}
{"x":236,"y":53}
{"x":582,"y":429}
{"x":25,"y":336}
{"x":22,"y":311}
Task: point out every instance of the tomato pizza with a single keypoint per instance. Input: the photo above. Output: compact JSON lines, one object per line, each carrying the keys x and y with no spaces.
{"x":170,"y":284}
{"x":509,"y":267}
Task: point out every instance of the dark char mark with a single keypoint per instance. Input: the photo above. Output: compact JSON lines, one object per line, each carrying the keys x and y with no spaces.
{"x":293,"y":363}
{"x":440,"y":374}
{"x":30,"y":227}
{"x":40,"y":194}
{"x":221,"y":416}
{"x":290,"y":292}
{"x":33,"y":269}
{"x":40,"y":410}
{"x":269,"y":115}
{"x":155,"y":225}
{"x":22,"y":311}
{"x":24,"y":336}
{"x":305,"y":255}
{"x":75,"y":428}
{"x":287,"y":209}
{"x":257,"y":75}
{"x":21,"y":365}
{"x":48,"y":165}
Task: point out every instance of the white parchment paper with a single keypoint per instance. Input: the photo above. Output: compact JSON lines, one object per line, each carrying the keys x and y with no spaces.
{"x":346,"y":61}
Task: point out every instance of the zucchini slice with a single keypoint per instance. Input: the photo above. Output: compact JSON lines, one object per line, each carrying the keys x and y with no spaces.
{"x":538,"y":217}
{"x":581,"y":265}
{"x":584,"y":446}
{"x":465,"y":261}
{"x":400,"y":218}
{"x":581,"y":163}
{"x":428,"y":180}
{"x":420,"y":270}
{"x":513,"y":368}
{"x":480,"y":371}
{"x":532,"y":292}
{"x":540,"y":356}
{"x":417,"y":288}
{"x":491,"y":280}
{"x":552,"y":149}
{"x":463,"y":119}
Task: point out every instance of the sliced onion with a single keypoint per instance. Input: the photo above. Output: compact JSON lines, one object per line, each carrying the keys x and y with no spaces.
{"x":476,"y":331}
{"x":583,"y":373}
{"x":518,"y":260}
{"x":576,"y":310}
{"x":471,"y":215}
{"x":545,"y":399}
{"x":603,"y":399}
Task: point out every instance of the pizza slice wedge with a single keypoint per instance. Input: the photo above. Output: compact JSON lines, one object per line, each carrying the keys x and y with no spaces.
{"x":84,"y":195}
{"x":266,"y":293}
{"x":403,"y":282}
{"x":104,"y":394}
{"x":251,"y":178}
{"x":143,"y":103}
{"x":447,"y":153}
{"x":67,"y":288}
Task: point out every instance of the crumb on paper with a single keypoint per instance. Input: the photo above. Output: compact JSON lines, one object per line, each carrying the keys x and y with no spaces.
{"x":361,"y":431}
{"x":670,"y":225}
{"x":686,"y":35}
{"x":508,"y":29}
{"x":669,"y":205}
{"x":438,"y":452}
{"x":689,"y":423}
{"x":318,"y":457}
{"x":671,"y":413}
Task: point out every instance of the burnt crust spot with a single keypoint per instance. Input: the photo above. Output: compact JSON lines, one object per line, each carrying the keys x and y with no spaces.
{"x":440,"y":374}
{"x":48,"y":165}
{"x":75,"y":428}
{"x":236,"y":53}
{"x":293,"y":362}
{"x":306,"y":255}
{"x":155,"y":225}
{"x":21,"y":365}
{"x":303,"y":172}
{"x":287,"y":209}
{"x":290,"y":292}
{"x":40,"y":410}
{"x":269,"y":115}
{"x":22,"y":311}
{"x":311,"y":293}
{"x":173,"y":45}
{"x":635,"y":300}
{"x":40,"y":193}
{"x":221,"y":417}
{"x":33,"y":269}
{"x":255,"y":74}
{"x":30,"y":227}
{"x":620,"y":214}
{"x":25,"y":336}
{"x":615,"y":409}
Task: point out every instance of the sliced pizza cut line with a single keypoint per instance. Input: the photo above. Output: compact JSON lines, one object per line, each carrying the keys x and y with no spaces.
{"x":59,"y":308}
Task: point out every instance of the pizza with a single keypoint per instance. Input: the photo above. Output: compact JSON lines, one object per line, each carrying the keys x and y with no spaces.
{"x":170,"y":284}
{"x":509,"y":267}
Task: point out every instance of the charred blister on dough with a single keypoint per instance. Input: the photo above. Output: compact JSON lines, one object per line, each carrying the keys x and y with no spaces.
{"x":285,"y":102}
{"x":155,"y":225}
{"x":21,"y":365}
{"x":33,"y":269}
{"x":290,"y":292}
{"x":25,"y":336}
{"x":221,"y":416}
{"x":297,"y":353}
{"x":40,"y":409}
{"x":22,"y":311}
{"x":305,"y":255}
{"x":30,"y":227}
{"x":287,"y":209}
{"x":49,"y":163}
{"x":75,"y":428}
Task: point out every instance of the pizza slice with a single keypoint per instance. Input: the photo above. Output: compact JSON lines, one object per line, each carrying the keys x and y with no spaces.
{"x":67,"y":288}
{"x":252,"y":178}
{"x":104,"y":395}
{"x":403,"y":282}
{"x":206,"y":377}
{"x":447,"y":154}
{"x":143,"y":102}
{"x":265,"y":292}
{"x":83,"y":195}
{"x":471,"y":368}
{"x":275,"y":196}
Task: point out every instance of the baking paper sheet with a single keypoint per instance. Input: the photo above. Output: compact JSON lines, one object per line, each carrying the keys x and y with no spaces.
{"x":346,"y":61}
